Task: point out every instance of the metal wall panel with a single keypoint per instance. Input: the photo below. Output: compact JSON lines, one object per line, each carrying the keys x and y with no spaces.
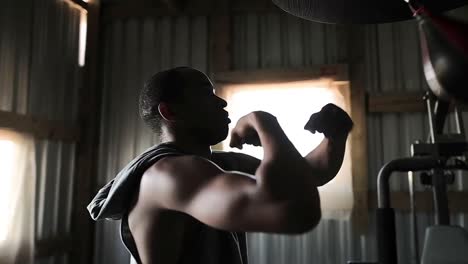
{"x":278,"y":40}
{"x":39,"y":76}
{"x":15,"y":45}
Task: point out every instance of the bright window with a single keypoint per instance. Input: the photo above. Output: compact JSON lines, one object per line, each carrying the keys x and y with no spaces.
{"x":8,"y":152}
{"x":293,"y":103}
{"x":82,"y":37}
{"x":17,"y":194}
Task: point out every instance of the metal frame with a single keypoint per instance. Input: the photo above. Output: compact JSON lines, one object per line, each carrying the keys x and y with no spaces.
{"x":437,"y":162}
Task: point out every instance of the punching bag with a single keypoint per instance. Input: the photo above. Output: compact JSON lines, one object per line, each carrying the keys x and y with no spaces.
{"x":360,"y":11}
{"x":444,"y":41}
{"x":444,"y":50}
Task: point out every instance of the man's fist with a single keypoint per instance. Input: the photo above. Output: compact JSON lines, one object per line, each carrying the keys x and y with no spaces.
{"x":245,"y":131}
{"x":332,"y":121}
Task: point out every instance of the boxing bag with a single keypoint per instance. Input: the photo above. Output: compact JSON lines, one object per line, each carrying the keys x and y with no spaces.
{"x":360,"y":11}
{"x":444,"y":51}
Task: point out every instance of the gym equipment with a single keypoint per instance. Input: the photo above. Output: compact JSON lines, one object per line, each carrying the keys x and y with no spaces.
{"x":441,"y":154}
{"x":360,"y":11}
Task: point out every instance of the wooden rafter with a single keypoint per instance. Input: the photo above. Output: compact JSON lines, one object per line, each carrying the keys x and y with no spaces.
{"x":396,"y":102}
{"x":138,"y":9}
{"x":79,"y":4}
{"x":335,"y":72}
{"x":40,"y":128}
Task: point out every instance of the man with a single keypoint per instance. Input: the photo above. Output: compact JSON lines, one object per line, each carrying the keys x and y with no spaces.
{"x":182,"y":203}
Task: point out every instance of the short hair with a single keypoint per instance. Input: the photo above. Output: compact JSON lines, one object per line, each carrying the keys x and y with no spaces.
{"x":165,"y":86}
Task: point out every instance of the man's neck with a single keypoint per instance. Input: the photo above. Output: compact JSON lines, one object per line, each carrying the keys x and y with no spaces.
{"x":188,"y":145}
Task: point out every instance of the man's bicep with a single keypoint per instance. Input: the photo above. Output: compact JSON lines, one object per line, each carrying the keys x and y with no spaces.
{"x":223,"y":200}
{"x":177,"y":182}
{"x":233,"y":202}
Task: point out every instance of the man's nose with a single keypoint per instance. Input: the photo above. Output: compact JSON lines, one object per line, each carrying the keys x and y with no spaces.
{"x":222,"y":102}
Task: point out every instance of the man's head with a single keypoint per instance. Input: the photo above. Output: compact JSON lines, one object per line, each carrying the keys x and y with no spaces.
{"x":182,"y":99}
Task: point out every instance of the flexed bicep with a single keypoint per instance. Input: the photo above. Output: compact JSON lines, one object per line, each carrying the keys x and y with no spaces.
{"x":221,"y":199}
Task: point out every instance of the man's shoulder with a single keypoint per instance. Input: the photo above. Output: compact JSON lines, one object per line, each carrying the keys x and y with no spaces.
{"x":181,"y":170}
{"x":176,"y":178}
{"x":236,"y":161}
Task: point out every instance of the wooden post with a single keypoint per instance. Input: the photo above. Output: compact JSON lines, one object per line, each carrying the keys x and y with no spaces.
{"x":359,"y":134}
{"x":87,"y":148}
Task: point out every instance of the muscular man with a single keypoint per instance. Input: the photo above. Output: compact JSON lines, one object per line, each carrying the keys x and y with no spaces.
{"x":182,"y":203}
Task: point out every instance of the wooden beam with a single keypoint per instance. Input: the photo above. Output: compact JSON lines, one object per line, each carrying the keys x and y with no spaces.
{"x":40,"y":128}
{"x":399,"y":102}
{"x":52,"y":246}
{"x":126,"y":11}
{"x":396,"y":102}
{"x":141,"y":9}
{"x":359,"y":157}
{"x":423,"y":201}
{"x":335,"y":72}
{"x":176,"y":5}
{"x":78,"y":4}
{"x":86,"y":153}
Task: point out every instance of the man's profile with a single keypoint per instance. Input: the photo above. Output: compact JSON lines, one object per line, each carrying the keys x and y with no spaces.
{"x":180,"y":202}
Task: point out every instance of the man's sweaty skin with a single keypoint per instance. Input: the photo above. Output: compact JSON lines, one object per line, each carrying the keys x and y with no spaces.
{"x":278,"y":194}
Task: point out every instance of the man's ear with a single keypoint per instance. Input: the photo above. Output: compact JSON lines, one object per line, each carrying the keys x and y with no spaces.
{"x":165,"y":112}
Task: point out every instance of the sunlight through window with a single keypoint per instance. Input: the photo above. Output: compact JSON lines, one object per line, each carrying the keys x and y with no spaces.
{"x":7,"y":155}
{"x":82,"y":37}
{"x":293,"y":103}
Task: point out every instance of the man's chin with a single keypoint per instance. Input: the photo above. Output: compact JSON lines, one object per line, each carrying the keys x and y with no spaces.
{"x":218,"y":138}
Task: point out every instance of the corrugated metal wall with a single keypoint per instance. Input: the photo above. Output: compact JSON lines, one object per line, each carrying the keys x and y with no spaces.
{"x":136,"y":48}
{"x":39,"y":76}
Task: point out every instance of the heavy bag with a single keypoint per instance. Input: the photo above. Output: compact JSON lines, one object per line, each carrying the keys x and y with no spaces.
{"x":444,"y":50}
{"x":360,"y":11}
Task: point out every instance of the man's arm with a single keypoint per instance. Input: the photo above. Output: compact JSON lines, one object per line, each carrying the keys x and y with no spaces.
{"x":283,"y":199}
{"x":326,"y":159}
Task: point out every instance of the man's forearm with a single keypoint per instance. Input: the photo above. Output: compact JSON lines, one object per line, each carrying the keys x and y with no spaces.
{"x":283,"y":170}
{"x":326,"y":159}
{"x":274,"y":141}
